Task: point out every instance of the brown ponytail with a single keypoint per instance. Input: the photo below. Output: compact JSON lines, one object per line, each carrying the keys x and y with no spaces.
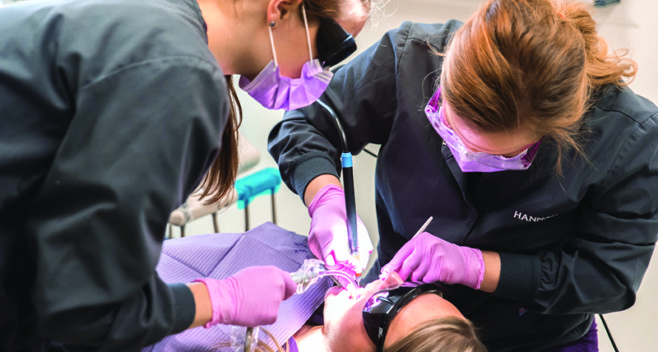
{"x":602,"y":67}
{"x":530,"y":64}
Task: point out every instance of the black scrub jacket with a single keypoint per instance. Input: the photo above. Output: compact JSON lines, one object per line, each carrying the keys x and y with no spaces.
{"x":111,"y":111}
{"x":570,"y":246}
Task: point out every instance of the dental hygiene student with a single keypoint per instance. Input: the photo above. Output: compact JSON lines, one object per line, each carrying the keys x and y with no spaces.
{"x":516,"y":131}
{"x":111,"y":113}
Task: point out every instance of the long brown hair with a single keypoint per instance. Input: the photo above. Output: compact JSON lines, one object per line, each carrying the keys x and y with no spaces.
{"x":447,"y":334}
{"x":221,"y":176}
{"x":530,"y":63}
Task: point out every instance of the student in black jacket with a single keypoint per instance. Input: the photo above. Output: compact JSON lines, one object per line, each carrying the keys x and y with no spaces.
{"x":111,"y":113}
{"x":517,"y":133}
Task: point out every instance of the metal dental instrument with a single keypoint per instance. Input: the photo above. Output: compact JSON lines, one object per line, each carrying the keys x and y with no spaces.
{"x":383,"y":275}
{"x":312,"y":270}
{"x":308,"y":274}
{"x":348,"y":185}
{"x":422,"y":228}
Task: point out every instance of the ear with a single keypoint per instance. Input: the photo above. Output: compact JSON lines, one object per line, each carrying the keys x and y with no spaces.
{"x":281,"y":10}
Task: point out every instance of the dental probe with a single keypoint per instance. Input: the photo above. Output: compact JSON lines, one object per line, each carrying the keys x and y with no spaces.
{"x":424,"y":227}
{"x":383,"y":274}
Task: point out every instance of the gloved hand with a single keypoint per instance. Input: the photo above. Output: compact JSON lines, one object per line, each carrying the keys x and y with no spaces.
{"x":251,"y":297}
{"x":328,"y":235}
{"x":427,"y":258}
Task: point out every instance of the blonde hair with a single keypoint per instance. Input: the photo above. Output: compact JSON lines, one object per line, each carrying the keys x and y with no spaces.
{"x":447,"y":334}
{"x":533,"y":64}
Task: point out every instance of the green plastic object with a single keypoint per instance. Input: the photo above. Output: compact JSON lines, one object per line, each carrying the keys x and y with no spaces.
{"x":263,"y":182}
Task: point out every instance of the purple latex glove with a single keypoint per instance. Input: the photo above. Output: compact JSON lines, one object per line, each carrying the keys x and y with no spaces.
{"x":328,"y":235}
{"x":251,"y":297}
{"x":427,"y":258}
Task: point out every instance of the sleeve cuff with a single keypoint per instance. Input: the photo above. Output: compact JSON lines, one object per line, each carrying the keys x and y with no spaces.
{"x":310,"y":168}
{"x":519,"y":276}
{"x":184,"y":307}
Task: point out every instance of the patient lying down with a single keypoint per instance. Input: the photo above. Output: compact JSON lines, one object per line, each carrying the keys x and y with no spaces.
{"x":386,"y":315}
{"x":424,"y":321}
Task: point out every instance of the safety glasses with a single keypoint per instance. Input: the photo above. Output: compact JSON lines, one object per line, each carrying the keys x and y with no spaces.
{"x":383,"y":306}
{"x":334,"y":43}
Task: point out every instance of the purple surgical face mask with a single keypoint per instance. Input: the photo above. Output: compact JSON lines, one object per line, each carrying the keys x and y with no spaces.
{"x":274,"y":91}
{"x":474,"y":161}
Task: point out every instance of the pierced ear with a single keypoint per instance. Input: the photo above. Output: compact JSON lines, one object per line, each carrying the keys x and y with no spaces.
{"x":281,"y":10}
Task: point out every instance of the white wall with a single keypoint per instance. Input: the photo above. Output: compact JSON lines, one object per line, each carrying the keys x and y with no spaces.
{"x":632,"y":24}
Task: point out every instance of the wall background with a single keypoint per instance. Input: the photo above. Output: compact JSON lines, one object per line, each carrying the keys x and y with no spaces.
{"x":631,"y":24}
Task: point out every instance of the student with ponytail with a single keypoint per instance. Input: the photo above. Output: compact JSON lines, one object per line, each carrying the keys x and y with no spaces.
{"x":517,"y":132}
{"x":112,"y":112}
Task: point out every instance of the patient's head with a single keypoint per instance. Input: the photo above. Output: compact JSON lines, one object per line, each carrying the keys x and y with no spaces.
{"x":410,"y":319}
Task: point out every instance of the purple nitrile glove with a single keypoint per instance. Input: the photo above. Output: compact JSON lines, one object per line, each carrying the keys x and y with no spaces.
{"x":328,"y":235}
{"x":427,"y":258}
{"x":251,"y":297}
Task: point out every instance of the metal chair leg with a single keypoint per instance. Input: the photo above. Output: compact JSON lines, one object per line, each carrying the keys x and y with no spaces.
{"x":215,"y":224}
{"x":182,"y":231}
{"x":273,"y":208}
{"x":246,"y":217}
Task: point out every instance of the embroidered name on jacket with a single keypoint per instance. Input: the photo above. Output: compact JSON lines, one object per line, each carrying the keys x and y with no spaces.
{"x":525,"y":217}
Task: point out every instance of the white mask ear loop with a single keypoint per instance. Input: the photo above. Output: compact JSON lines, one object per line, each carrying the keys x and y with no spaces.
{"x":308,"y":36}
{"x":272,"y":44}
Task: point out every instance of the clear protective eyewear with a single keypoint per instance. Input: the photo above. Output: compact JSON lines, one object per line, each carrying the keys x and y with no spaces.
{"x":475,"y":161}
